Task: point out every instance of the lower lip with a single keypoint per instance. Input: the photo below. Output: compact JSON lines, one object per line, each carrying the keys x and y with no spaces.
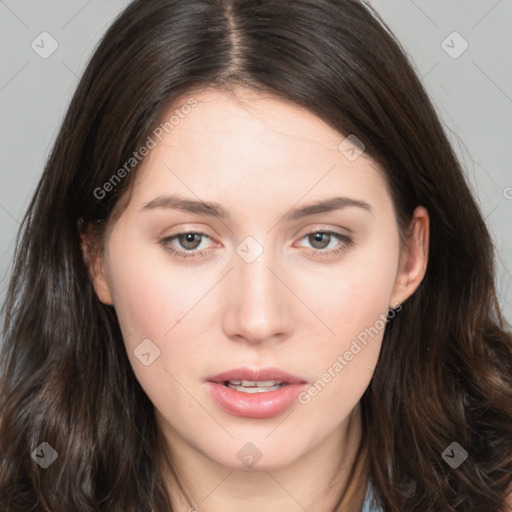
{"x":254,"y":405}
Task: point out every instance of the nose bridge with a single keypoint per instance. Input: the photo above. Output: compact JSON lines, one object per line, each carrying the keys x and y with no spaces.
{"x":258,"y":307}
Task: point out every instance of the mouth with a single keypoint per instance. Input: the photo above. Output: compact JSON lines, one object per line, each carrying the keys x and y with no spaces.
{"x":260,"y":393}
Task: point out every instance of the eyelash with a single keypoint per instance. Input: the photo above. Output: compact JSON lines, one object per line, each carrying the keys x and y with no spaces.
{"x":346,"y":240}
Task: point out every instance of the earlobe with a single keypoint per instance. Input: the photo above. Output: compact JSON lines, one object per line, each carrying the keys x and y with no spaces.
{"x":414,"y":256}
{"x":94,"y":262}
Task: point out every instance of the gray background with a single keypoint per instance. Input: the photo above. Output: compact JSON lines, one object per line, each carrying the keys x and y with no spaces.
{"x":471,"y":89}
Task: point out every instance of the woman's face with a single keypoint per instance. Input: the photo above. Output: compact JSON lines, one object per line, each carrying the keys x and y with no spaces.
{"x":258,"y":288}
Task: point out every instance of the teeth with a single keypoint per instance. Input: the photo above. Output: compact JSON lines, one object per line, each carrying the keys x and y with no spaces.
{"x":249,"y":386}
{"x":255,"y":389}
{"x":267,"y":383}
{"x":252,"y":383}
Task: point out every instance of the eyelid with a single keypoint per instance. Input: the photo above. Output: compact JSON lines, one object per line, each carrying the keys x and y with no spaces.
{"x":326,"y":229}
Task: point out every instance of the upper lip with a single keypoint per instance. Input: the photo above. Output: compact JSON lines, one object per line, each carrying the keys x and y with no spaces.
{"x":256,"y":375}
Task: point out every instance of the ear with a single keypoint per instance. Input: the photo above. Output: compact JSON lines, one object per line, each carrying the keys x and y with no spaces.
{"x":413,"y":257}
{"x":94,"y":261}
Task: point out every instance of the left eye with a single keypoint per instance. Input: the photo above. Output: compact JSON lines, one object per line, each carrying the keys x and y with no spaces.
{"x":321,"y":239}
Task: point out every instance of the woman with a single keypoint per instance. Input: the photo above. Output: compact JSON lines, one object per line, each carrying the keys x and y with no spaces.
{"x":253,"y":275}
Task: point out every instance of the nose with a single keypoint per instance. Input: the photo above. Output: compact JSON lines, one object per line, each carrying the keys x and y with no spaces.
{"x":259,"y":306}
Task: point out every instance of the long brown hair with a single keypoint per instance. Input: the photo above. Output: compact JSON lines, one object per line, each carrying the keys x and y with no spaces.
{"x":445,"y":370}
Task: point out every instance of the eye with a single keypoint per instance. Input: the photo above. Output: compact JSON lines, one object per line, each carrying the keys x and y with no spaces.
{"x":328,"y":243}
{"x":186,"y":244}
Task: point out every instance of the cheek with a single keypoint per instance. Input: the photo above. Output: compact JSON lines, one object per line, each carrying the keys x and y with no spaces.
{"x":155,"y":301}
{"x":354,"y":302}
{"x":354,"y":295}
{"x":344,"y":364}
{"x":149,"y":297}
{"x":148,"y":306}
{"x":142,"y":301}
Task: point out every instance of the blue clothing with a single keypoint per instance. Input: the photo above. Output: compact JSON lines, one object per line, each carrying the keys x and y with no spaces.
{"x":368,"y":505}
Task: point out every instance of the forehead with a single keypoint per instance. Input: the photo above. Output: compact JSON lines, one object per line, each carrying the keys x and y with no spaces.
{"x":256,"y":144}
{"x":249,"y":118}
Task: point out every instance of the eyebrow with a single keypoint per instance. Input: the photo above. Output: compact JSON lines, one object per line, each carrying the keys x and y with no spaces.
{"x":216,"y":210}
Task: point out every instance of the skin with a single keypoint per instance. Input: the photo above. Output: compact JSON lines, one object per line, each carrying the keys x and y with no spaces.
{"x":258,"y":156}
